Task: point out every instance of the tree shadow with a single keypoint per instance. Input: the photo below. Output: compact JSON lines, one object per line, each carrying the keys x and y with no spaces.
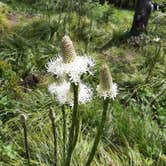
{"x":118,"y":38}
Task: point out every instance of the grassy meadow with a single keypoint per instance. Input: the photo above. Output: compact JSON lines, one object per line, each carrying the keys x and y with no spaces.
{"x":31,"y":34}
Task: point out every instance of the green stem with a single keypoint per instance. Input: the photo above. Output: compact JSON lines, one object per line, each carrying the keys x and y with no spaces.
{"x":73,"y":127}
{"x":52,"y":118}
{"x":99,"y":133}
{"x":75,"y":138}
{"x":64,"y":134}
{"x":27,"y":154}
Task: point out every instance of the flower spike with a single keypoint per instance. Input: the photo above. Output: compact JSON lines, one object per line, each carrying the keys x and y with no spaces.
{"x":106,"y":87}
{"x":69,"y":52}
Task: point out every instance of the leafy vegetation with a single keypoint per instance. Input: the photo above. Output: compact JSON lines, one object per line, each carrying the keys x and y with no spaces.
{"x":31,"y":34}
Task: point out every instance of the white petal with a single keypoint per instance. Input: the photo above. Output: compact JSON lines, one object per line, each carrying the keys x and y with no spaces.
{"x":60,"y":91}
{"x":114,"y":90}
{"x":112,"y":93}
{"x":63,"y":94}
{"x":55,"y":66}
{"x":85,"y":94}
{"x":80,"y":65}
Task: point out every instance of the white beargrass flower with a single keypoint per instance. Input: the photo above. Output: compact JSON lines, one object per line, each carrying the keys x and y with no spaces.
{"x":80,"y":65}
{"x":157,"y":39}
{"x":64,"y":94}
{"x":112,"y":93}
{"x":52,"y":66}
{"x":60,"y":91}
{"x":106,"y":88}
{"x":69,"y":64}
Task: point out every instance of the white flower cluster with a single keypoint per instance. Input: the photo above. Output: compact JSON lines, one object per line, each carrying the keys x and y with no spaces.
{"x":110,"y":93}
{"x":64,"y":94}
{"x":74,"y":69}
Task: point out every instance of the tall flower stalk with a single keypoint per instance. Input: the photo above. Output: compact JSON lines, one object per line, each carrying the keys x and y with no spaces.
{"x":99,"y":132}
{"x":107,"y":90}
{"x":54,"y":131}
{"x":70,"y":90}
{"x":23,"y":119}
{"x":73,"y":133}
{"x":64,"y":135}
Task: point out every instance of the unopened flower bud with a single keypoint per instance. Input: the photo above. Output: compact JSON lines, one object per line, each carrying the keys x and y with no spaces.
{"x":23,"y":118}
{"x":105,"y":78}
{"x":106,"y":87}
{"x":69,"y":52}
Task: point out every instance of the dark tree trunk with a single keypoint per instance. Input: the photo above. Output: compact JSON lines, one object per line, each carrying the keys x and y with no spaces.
{"x":141,"y":17}
{"x":102,"y":2}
